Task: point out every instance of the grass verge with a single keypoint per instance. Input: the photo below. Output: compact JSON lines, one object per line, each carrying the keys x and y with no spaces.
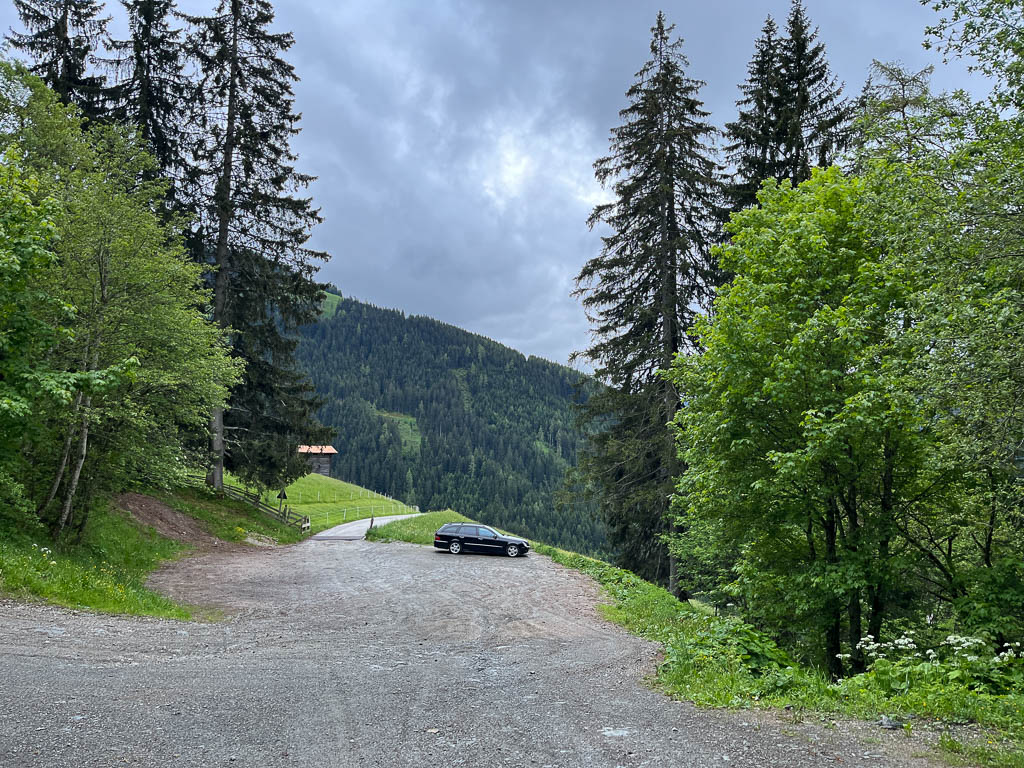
{"x":226,"y":518}
{"x":106,"y":572}
{"x":718,"y":661}
{"x":418,"y":530}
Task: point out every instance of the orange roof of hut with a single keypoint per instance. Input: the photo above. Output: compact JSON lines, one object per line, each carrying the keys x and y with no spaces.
{"x":320,"y":450}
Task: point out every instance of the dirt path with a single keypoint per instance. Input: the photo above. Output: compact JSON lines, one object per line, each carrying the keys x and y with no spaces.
{"x":340,"y":653}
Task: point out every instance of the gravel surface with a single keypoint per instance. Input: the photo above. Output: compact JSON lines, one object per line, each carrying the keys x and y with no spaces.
{"x":339,"y":653}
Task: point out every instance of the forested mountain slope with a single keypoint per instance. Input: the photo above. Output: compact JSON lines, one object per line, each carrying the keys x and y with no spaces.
{"x":440,"y":417}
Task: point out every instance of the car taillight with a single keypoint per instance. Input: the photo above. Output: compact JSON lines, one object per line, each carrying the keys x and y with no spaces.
{"x":436,"y":537}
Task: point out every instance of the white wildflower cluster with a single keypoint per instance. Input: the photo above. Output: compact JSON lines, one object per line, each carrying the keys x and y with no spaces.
{"x":961,"y":643}
{"x":1010,"y":651}
{"x":875,"y":650}
{"x":45,"y":552}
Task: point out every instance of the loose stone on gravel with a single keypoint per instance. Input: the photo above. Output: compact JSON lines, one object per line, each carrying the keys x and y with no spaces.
{"x":349,"y":653}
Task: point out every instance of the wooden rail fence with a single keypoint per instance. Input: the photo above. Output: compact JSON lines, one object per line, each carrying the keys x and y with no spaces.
{"x":286,"y":514}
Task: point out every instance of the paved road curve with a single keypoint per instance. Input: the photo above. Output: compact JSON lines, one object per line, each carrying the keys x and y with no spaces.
{"x":338,"y":653}
{"x":357,"y":529}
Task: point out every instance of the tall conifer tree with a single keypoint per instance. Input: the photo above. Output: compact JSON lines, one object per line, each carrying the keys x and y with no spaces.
{"x":792,"y":115}
{"x":757,"y":136}
{"x":814,"y":112}
{"x":254,"y":224}
{"x":150,"y":88}
{"x":653,"y":274}
{"x":61,"y":37}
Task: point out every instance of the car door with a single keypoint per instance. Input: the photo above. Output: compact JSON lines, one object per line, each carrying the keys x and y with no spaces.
{"x":489,"y":541}
{"x":470,"y":538}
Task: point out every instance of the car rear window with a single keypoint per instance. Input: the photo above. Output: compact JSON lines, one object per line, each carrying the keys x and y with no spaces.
{"x":449,"y":528}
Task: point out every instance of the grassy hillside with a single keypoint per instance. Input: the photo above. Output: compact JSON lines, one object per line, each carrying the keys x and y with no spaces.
{"x":329,"y":502}
{"x":106,"y":572}
{"x":330,"y":305}
{"x":417,"y":530}
{"x":443,"y":418}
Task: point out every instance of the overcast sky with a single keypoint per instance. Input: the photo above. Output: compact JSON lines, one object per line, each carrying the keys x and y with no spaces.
{"x":453,"y":139}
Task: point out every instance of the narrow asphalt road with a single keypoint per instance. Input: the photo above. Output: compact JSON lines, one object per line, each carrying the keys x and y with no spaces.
{"x":357,"y":529}
{"x":350,"y":653}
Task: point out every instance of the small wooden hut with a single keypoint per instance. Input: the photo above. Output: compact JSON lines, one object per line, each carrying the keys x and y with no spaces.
{"x":319,"y":457}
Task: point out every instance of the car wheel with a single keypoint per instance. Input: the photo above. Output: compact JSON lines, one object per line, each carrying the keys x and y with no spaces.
{"x":512,"y":550}
{"x":454,"y":547}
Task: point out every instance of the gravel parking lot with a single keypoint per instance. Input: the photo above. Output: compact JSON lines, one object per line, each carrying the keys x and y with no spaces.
{"x":348,"y":653}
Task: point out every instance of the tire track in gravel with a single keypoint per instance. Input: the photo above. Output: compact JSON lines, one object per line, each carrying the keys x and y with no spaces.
{"x":337,"y":653}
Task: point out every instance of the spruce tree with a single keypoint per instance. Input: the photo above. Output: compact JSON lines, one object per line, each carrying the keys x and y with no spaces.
{"x":150,"y":87}
{"x":814,"y":113}
{"x":61,"y":37}
{"x":642,"y":292}
{"x":253,"y":226}
{"x":792,"y":116}
{"x":757,"y":136}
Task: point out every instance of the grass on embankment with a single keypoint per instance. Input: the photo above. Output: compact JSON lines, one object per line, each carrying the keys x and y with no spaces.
{"x":718,"y":661}
{"x":329,"y":502}
{"x":418,"y":530}
{"x":228,"y":519}
{"x":106,"y":572}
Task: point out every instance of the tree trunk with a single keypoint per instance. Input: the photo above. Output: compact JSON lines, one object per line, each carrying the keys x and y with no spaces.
{"x":833,"y":614}
{"x":223,"y":205}
{"x":62,"y":465}
{"x":877,"y":592}
{"x":76,"y":472}
{"x":854,"y":616}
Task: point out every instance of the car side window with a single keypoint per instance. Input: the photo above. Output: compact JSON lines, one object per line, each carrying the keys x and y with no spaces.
{"x":487,"y":533}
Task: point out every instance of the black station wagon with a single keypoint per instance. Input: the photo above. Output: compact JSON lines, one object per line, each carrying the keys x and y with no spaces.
{"x":473,"y":537}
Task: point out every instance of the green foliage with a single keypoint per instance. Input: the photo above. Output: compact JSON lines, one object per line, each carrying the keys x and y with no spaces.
{"x":113,"y":305}
{"x":329,"y":502}
{"x":228,"y":519}
{"x":792,"y":116}
{"x":106,"y":572}
{"x":151,"y":90}
{"x":417,"y":530}
{"x":439,"y":417}
{"x":253,"y":224}
{"x":27,"y":324}
{"x":61,"y":37}
{"x":794,"y":426}
{"x":642,"y":291}
{"x":721,"y":661}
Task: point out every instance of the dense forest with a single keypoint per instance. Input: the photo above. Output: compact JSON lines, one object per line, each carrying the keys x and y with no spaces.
{"x":440,"y":417}
{"x":829,"y":317}
{"x":153,"y":256}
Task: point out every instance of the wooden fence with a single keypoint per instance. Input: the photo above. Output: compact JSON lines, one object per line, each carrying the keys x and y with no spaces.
{"x":286,"y":514}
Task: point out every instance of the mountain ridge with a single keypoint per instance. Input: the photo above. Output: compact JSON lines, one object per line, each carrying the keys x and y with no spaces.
{"x":439,"y":416}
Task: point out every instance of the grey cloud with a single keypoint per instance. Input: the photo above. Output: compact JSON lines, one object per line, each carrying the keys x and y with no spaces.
{"x":453,"y":139}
